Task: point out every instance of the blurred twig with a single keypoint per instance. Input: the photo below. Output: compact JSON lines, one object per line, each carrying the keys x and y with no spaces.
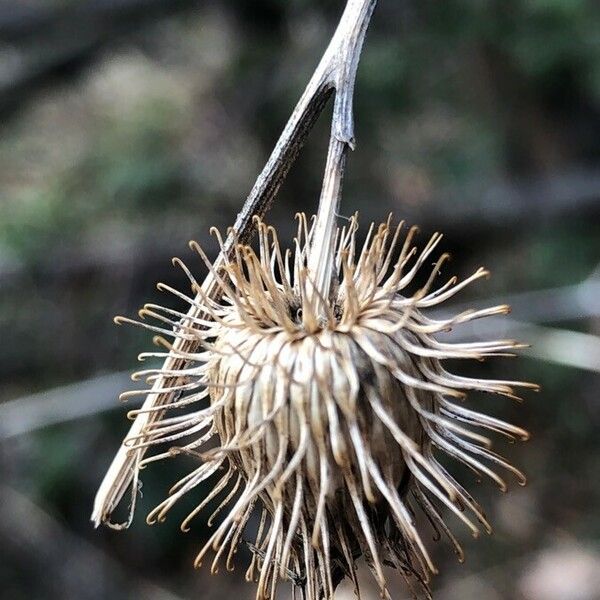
{"x":559,"y":346}
{"x":61,"y":404}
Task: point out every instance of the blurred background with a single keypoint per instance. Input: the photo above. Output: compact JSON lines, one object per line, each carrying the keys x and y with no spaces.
{"x":128,"y":127}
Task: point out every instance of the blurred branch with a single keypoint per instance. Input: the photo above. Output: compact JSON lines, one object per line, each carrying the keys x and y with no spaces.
{"x":503,"y":206}
{"x":79,"y":569}
{"x":42,"y":40}
{"x":61,"y":404}
{"x":512,"y":203}
{"x":132,"y":248}
{"x":559,"y":346}
{"x":24,"y":20}
{"x":568,"y":303}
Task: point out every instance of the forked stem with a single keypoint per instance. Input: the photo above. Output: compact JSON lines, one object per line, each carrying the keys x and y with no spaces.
{"x":336,"y":72}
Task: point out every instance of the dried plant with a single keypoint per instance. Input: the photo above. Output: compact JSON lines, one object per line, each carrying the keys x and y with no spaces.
{"x":311,"y":386}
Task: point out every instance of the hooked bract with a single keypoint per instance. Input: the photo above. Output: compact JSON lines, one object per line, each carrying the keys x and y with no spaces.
{"x":326,"y":423}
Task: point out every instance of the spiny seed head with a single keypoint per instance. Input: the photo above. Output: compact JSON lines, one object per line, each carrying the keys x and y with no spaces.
{"x":326,"y":423}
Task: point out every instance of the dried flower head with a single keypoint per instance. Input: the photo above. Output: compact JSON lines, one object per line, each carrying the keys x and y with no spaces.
{"x":326,"y":424}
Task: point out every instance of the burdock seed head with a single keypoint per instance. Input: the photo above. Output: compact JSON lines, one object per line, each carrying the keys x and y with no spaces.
{"x":325,"y":421}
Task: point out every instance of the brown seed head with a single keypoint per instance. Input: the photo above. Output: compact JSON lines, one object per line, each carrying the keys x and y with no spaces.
{"x":327,"y":422}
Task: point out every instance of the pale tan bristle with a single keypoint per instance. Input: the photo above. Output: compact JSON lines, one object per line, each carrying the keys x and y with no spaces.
{"x":326,"y":419}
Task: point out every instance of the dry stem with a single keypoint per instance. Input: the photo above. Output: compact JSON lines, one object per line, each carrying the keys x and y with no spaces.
{"x":336,"y":72}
